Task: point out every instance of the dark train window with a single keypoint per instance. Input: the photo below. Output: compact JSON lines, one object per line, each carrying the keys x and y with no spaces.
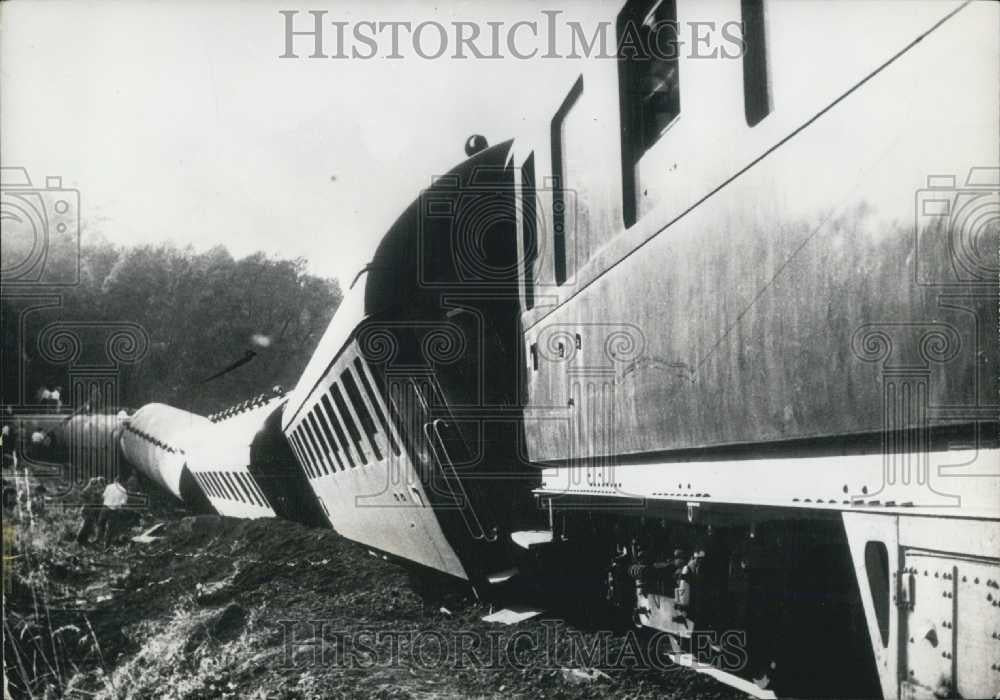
{"x":260,"y":494}
{"x":238,"y":478}
{"x":237,"y":496}
{"x":205,"y":486}
{"x":240,"y":491}
{"x":295,"y":447}
{"x":529,"y":227}
{"x":376,"y":405}
{"x":299,"y":452}
{"x":877,"y":568}
{"x":241,"y":482}
{"x":756,"y":88}
{"x":329,"y":447}
{"x":215,"y":483}
{"x":229,"y":487}
{"x":321,"y":443}
{"x":312,"y":461}
{"x":648,"y":84}
{"x":317,"y":447}
{"x":334,"y":448}
{"x":349,"y":423}
{"x":232,"y":486}
{"x":219,"y":486}
{"x":361,"y":410}
{"x":559,"y":233}
{"x":261,"y":498}
{"x":335,"y":422}
{"x":210,"y":480}
{"x":248,"y":482}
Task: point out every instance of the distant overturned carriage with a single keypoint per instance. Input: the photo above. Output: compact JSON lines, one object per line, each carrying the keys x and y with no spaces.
{"x":246,"y":468}
{"x":236,"y":463}
{"x":156,"y":441}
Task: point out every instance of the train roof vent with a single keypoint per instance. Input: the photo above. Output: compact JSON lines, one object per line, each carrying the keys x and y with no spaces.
{"x":474,"y":144}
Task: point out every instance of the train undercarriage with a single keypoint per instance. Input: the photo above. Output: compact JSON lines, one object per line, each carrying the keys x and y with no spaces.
{"x":861,"y":598}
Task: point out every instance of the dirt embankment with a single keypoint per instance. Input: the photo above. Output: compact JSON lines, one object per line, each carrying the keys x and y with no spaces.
{"x":236,"y":608}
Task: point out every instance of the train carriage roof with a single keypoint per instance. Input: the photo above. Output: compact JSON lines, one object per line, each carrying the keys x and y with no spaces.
{"x":392,"y":279}
{"x":227,"y":443}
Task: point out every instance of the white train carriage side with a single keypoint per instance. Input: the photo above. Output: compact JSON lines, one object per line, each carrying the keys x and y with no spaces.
{"x":358,"y":467}
{"x":219,"y":460}
{"x":760,"y":317}
{"x":156,"y":440}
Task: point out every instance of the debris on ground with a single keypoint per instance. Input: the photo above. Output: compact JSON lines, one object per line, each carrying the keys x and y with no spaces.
{"x":217,"y":607}
{"x":511,"y":616}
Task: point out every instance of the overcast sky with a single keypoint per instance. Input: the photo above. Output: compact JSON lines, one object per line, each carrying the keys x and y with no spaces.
{"x":179,"y":121}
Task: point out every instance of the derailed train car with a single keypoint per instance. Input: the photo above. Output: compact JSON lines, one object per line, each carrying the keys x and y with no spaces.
{"x":741,"y":328}
{"x":712,"y":345}
{"x":387,"y":418}
{"x":246,"y":468}
{"x":235,"y":463}
{"x":156,"y":440}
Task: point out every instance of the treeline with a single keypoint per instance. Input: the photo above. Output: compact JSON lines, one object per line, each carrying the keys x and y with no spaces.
{"x":167,"y":319}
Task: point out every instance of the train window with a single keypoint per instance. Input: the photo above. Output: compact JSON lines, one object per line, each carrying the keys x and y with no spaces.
{"x":297,"y":449}
{"x":227,"y":488}
{"x":238,"y":487}
{"x":203,"y":483}
{"x":328,"y":434}
{"x":529,"y":228}
{"x":299,"y":452}
{"x":877,"y":568}
{"x":321,"y":443}
{"x":219,"y":486}
{"x":648,"y":84}
{"x":312,"y":461}
{"x":235,"y":492}
{"x":349,"y":423}
{"x":376,"y":405}
{"x":315,"y":444}
{"x":559,"y":199}
{"x":756,"y":88}
{"x":244,"y":491}
{"x":245,"y":483}
{"x":361,"y":411}
{"x":293,"y":438}
{"x":261,"y":498}
{"x":241,"y":487}
{"x":210,"y":479}
{"x":214,"y":487}
{"x":307,"y":454}
{"x":335,"y":422}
